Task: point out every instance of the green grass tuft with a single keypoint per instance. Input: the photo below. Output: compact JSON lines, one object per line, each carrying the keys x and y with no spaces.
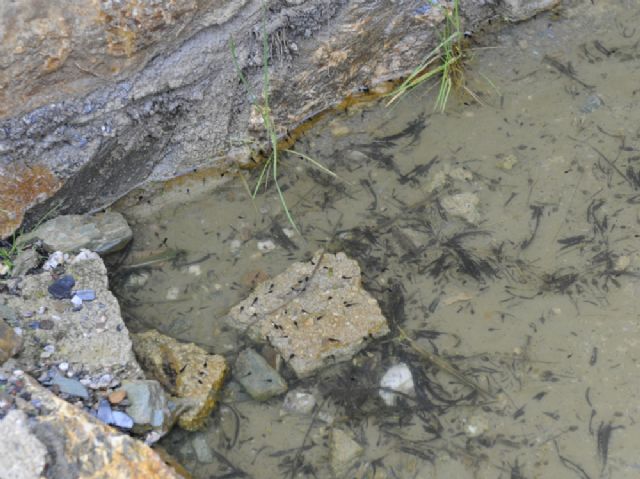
{"x":272,"y":163}
{"x":443,"y":61}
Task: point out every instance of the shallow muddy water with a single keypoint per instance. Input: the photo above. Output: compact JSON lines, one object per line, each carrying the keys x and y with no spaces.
{"x":502,"y":237}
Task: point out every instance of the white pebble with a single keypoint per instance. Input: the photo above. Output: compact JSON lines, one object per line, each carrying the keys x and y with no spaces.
{"x":85,"y":255}
{"x":235,"y":245}
{"x":195,"y":270}
{"x":76,"y":301}
{"x":63,"y":366}
{"x":397,"y":378}
{"x":56,"y":258}
{"x":172,"y":293}
{"x":266,"y":245}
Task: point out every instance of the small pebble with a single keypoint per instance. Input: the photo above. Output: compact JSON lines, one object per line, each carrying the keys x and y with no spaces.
{"x":55,"y":259}
{"x":104,"y":412}
{"x":116,"y":397}
{"x":42,"y":310}
{"x":266,"y":245}
{"x":172,"y":294}
{"x":63,"y":366}
{"x":102,"y":382}
{"x":61,"y":288}
{"x":86,"y":294}
{"x":77,"y":302}
{"x":235,"y":245}
{"x":122,"y":420}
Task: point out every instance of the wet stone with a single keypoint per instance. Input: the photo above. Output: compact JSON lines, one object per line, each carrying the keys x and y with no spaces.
{"x":71,"y":387}
{"x":260,"y":380}
{"x":202,"y":449}
{"x":299,"y":402}
{"x":397,"y":378}
{"x":61,"y":288}
{"x":591,"y":104}
{"x":313,"y":316}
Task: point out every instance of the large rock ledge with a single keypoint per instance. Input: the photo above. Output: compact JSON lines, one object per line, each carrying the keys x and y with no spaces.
{"x":97,"y":98}
{"x":44,"y":436}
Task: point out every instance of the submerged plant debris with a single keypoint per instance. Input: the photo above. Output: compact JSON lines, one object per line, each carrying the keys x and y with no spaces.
{"x":501,"y":243}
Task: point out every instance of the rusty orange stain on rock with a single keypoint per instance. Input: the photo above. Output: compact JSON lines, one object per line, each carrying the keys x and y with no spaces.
{"x":20,"y":189}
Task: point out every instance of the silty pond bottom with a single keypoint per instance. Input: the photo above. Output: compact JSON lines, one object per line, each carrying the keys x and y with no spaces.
{"x":502,"y":237}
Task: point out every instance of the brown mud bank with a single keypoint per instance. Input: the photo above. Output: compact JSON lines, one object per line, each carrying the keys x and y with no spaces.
{"x":99,"y":98}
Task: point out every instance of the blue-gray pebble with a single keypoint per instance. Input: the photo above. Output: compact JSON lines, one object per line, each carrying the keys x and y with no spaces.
{"x":61,"y":288}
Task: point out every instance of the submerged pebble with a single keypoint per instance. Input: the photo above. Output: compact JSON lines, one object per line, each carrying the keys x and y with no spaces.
{"x":397,"y":378}
{"x":266,"y":245}
{"x":298,"y":402}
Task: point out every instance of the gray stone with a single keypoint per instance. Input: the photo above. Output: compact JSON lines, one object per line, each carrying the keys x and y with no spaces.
{"x":25,"y":261}
{"x":344,"y":451}
{"x":69,"y":386}
{"x":519,"y":10}
{"x":202,"y":449}
{"x":299,"y":402}
{"x":260,"y":380}
{"x":149,"y":406}
{"x":331,"y":320}
{"x":103,"y":233}
{"x":22,"y":455}
{"x":591,"y":104}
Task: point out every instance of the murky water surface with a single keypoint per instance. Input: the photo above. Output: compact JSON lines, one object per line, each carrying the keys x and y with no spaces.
{"x":503,"y":238}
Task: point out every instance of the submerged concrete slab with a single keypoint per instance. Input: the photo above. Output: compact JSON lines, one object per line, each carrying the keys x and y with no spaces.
{"x":314,"y":313}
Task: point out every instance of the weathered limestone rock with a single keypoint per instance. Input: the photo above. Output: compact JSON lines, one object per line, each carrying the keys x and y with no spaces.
{"x":98,"y":97}
{"x":312,"y":314}
{"x":187,"y":372}
{"x":103,"y":233}
{"x":66,"y":440}
{"x":93,"y":340}
{"x":22,"y":455}
{"x":10,"y":342}
{"x":260,"y":380}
